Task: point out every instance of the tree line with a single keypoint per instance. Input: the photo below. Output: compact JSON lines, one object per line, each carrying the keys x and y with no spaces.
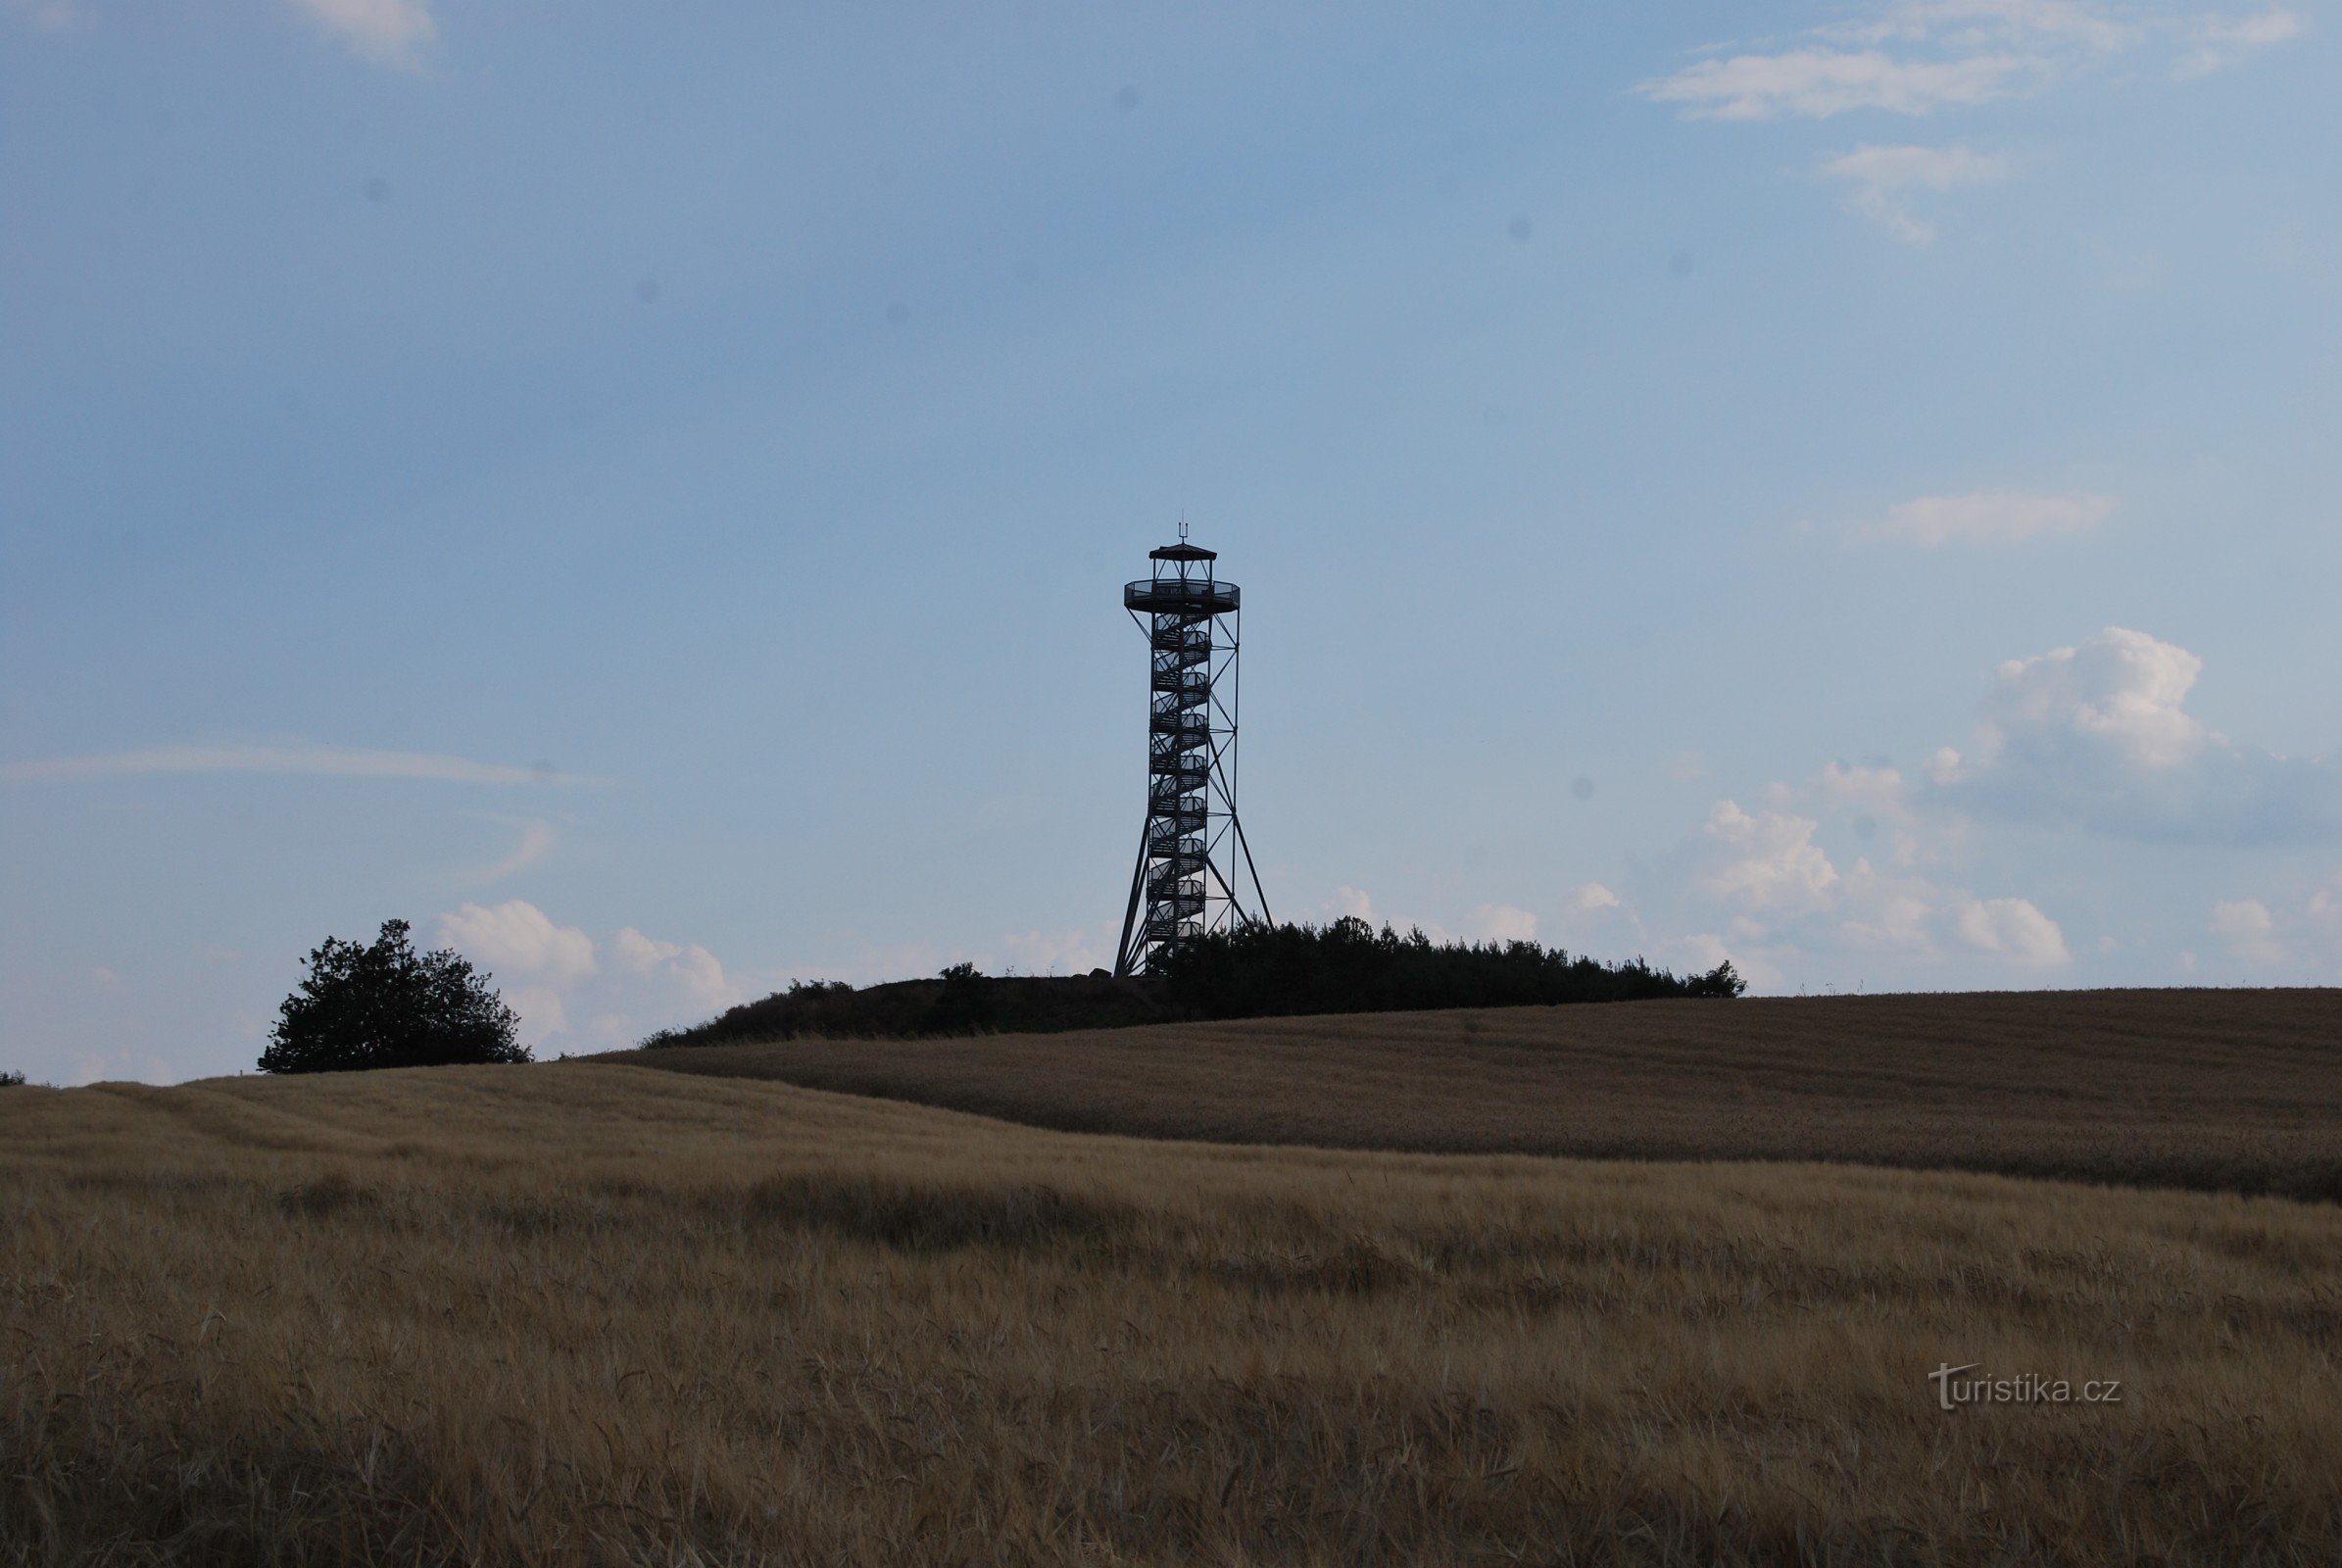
{"x":384,"y":1004}
{"x":1258,"y":970}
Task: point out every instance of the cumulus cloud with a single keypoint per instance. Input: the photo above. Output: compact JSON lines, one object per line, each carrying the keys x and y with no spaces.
{"x":1704,"y":950}
{"x":517,"y":938}
{"x":1347,"y":902}
{"x":1879,"y":788}
{"x":2098,"y":736}
{"x":1774,"y":863}
{"x":1785,"y":906}
{"x":691,"y":967}
{"x":552,"y":974}
{"x":330,"y":761}
{"x":2120,"y":693}
{"x":390,"y":32}
{"x":1988,"y":518}
{"x":1883,"y":180}
{"x":2249,"y":928}
{"x":2011,"y":928}
{"x":1590,"y":896}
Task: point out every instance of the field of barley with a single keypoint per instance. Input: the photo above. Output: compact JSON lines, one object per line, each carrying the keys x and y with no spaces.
{"x":2237,"y":1091}
{"x":587,"y":1313}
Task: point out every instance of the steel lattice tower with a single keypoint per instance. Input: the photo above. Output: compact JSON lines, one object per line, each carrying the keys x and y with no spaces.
{"x":1181,"y":886}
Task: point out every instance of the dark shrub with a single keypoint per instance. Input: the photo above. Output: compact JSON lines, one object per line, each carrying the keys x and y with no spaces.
{"x":1257,"y":970}
{"x":388,"y":1006}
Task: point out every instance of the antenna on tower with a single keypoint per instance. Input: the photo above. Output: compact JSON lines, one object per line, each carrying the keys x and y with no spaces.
{"x":1192,"y":837}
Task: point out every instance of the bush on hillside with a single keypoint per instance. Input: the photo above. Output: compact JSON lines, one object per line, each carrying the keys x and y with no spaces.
{"x":9,"y":1080}
{"x":964,"y":1006}
{"x":388,"y":1006}
{"x":1257,"y":970}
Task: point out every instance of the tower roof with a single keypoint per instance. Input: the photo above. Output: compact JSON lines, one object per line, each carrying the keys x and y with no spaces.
{"x":1183,"y":552}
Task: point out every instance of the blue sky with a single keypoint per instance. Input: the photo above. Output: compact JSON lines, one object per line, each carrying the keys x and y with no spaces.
{"x":642,"y":493}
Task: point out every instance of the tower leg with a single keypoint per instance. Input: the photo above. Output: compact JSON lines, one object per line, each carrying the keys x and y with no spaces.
{"x":1237,"y":823}
{"x":1130,"y":915}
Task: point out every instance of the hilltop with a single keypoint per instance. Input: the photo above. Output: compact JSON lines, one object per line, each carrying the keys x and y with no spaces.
{"x":2215,"y":1090}
{"x":1249,"y":972}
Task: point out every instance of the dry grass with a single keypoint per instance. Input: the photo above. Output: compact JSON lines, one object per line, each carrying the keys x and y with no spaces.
{"x":588,"y":1315}
{"x":2237,"y":1090}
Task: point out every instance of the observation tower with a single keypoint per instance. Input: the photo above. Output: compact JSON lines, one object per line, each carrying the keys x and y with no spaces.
{"x":1184,"y":883}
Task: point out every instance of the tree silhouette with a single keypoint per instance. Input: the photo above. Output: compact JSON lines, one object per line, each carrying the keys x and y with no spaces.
{"x":965,"y":1005}
{"x":1255,"y":971}
{"x":388,"y":1006}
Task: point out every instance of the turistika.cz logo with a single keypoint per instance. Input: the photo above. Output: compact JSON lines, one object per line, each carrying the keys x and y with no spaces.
{"x":1952,"y":1390}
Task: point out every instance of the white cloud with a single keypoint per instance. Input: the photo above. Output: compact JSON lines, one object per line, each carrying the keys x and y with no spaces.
{"x":2121,"y":691}
{"x":2098,"y":736}
{"x":1887,"y":916}
{"x":640,"y":954}
{"x":1348,"y":904}
{"x":692,"y":968}
{"x":1881,"y":789}
{"x":1774,"y":863}
{"x":1989,"y":517}
{"x":390,"y":32}
{"x":1703,"y":952}
{"x":2249,"y":929}
{"x":332,"y":761}
{"x":517,"y":937}
{"x":1787,"y":909}
{"x":543,"y":1014}
{"x":552,"y":974}
{"x":2224,"y":41}
{"x":1817,"y":82}
{"x":2012,"y":928}
{"x":1591,"y":896}
{"x":1884,"y":179}
{"x":1918,"y":58}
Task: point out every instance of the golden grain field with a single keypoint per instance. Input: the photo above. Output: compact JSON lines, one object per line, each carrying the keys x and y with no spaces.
{"x":585,"y":1313}
{"x":2237,"y":1090}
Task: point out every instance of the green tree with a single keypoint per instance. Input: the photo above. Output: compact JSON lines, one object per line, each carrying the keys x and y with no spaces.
{"x":388,"y":1006}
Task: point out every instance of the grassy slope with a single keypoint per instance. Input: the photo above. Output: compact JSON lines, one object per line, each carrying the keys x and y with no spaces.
{"x":577,"y":1314}
{"x":2215,"y":1090}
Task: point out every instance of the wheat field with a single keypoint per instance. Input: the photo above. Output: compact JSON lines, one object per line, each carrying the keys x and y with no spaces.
{"x":2237,"y":1090}
{"x":584,"y":1314}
